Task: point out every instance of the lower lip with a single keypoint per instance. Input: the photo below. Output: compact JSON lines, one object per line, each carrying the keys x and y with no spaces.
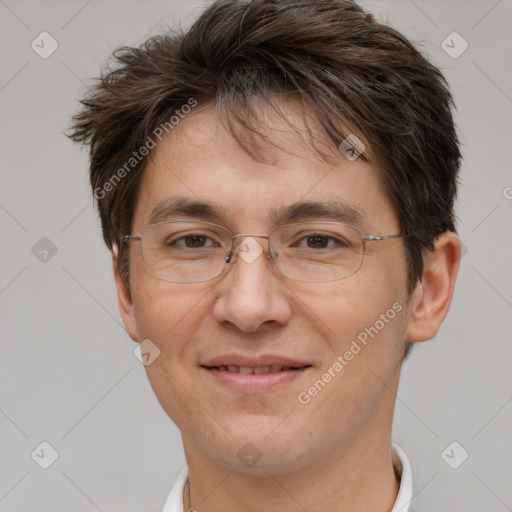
{"x":255,"y":382}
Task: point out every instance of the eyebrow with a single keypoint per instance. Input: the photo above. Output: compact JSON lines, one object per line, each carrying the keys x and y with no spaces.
{"x":335,"y":210}
{"x":183,"y":207}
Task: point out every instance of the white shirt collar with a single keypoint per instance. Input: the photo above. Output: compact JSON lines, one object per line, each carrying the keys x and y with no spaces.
{"x":174,"y":501}
{"x":404,"y":496}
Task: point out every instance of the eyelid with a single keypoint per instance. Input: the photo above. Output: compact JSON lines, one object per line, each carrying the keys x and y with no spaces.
{"x":215,"y":237}
{"x":331,"y":236}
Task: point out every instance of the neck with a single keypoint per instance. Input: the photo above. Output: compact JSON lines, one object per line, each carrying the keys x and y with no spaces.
{"x":357,"y":476}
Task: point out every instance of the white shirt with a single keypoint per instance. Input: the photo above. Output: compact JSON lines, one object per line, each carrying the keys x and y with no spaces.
{"x":174,"y":502}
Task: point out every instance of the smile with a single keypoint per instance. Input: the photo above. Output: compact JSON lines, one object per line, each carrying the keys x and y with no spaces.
{"x":259,"y":369}
{"x":246,"y":375}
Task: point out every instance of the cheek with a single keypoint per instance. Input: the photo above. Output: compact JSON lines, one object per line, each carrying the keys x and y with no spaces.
{"x":171,"y":316}
{"x":363,"y":320}
{"x":367,"y":333}
{"x":160,"y":307}
{"x":348,"y":309}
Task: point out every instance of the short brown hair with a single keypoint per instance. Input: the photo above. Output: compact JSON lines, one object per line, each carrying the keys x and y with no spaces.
{"x":348,"y":69}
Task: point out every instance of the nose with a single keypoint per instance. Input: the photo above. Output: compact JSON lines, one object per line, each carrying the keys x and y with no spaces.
{"x":251,"y":294}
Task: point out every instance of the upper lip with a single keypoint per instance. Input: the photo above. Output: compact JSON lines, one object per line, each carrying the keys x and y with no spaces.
{"x":254,"y":362}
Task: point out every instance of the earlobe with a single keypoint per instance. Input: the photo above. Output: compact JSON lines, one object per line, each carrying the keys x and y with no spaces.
{"x":125,"y":301}
{"x":434,"y":292}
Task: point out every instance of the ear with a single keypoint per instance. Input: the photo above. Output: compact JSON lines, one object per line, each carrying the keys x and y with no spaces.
{"x":124,"y":298}
{"x":433,"y":294}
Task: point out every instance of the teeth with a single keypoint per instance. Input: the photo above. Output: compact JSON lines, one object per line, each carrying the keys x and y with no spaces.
{"x":262,"y":369}
{"x":273,"y":368}
{"x":249,"y":369}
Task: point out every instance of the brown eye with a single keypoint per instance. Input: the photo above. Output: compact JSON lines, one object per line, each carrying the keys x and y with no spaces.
{"x":191,"y":242}
{"x":195,"y":241}
{"x":317,"y":242}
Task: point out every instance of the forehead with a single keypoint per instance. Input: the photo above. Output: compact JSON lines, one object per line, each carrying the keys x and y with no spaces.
{"x":200,"y":162}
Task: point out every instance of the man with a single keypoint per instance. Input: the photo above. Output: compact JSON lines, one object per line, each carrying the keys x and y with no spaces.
{"x":277,"y":186}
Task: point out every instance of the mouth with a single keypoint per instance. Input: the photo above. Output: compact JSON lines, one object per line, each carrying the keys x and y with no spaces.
{"x":252,"y":375}
{"x":274,"y":368}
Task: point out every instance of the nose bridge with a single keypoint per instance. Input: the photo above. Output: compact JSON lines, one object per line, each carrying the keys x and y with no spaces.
{"x":248,"y":248}
{"x":249,"y":296}
{"x":245,"y":246}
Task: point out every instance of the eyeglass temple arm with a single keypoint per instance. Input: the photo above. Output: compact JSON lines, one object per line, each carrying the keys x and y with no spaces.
{"x":385,"y":237}
{"x":128,"y":238}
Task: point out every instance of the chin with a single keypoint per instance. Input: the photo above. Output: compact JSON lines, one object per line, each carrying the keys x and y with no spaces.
{"x":255,"y":448}
{"x":258,"y":460}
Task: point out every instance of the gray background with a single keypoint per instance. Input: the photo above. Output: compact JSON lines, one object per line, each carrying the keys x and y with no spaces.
{"x":68,"y":375}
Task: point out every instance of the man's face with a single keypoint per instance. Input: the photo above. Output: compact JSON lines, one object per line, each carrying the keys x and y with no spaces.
{"x":253,"y":311}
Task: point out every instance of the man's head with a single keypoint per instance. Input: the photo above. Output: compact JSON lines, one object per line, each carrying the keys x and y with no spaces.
{"x":352,"y":75}
{"x":237,"y":120}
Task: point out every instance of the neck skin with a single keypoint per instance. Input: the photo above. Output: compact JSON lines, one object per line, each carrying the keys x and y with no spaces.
{"x":358,"y":476}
